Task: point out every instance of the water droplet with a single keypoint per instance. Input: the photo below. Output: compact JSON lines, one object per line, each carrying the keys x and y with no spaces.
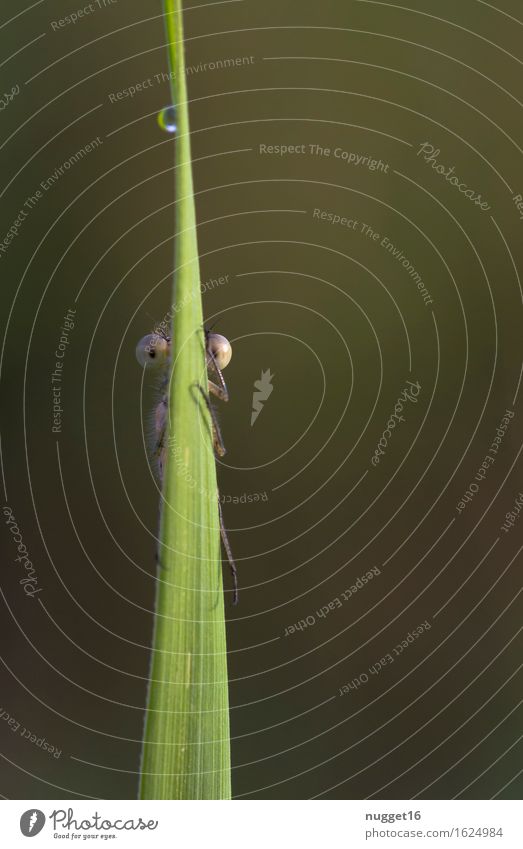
{"x":167,"y":119}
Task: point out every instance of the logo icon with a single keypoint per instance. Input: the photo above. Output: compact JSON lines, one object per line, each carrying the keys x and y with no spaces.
{"x":264,"y":388}
{"x":32,"y":822}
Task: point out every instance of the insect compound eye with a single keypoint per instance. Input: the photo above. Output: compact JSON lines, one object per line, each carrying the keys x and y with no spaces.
{"x":220,"y":348}
{"x":152,"y":350}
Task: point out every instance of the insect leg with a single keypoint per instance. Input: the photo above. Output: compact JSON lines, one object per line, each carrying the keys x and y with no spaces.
{"x":219,"y":446}
{"x":230,"y":558}
{"x":220,"y":391}
{"x":160,"y":423}
{"x":160,"y":452}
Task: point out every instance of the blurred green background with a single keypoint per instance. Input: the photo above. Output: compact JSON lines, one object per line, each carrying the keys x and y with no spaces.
{"x":340,"y":324}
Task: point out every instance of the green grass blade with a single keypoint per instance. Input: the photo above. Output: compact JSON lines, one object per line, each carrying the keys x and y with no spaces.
{"x":186,"y":750}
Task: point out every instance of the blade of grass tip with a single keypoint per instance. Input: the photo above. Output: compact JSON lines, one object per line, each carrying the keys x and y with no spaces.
{"x":186,"y":749}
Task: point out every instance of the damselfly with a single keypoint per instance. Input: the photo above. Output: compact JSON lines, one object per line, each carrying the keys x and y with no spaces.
{"x":154,"y":351}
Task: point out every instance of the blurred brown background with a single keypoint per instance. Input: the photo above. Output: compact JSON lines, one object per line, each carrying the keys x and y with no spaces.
{"x":340,"y":324}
